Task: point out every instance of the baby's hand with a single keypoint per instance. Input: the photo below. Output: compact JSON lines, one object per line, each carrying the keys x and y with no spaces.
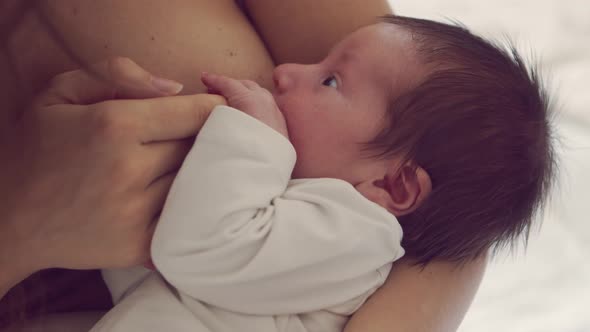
{"x":249,"y":97}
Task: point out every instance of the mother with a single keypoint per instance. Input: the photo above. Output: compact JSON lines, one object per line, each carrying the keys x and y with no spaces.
{"x":179,"y":39}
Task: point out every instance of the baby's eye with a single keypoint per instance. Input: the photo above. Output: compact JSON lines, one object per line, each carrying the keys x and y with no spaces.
{"x":331,"y":82}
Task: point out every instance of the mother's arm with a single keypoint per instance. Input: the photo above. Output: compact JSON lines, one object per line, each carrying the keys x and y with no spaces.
{"x":433,"y":299}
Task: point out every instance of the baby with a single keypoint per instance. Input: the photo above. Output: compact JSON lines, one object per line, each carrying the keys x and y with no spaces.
{"x":288,"y":211}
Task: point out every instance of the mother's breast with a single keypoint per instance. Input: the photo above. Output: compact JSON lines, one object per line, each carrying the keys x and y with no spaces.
{"x":176,"y":39}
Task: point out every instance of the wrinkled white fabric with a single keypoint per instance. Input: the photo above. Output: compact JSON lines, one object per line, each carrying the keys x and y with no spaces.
{"x":241,"y":247}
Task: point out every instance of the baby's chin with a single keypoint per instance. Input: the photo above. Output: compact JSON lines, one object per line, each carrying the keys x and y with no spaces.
{"x":308,"y":171}
{"x":297,"y":173}
{"x":300,"y":171}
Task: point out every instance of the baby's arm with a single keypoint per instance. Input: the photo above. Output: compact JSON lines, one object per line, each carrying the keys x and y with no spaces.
{"x":229,"y":236}
{"x":248,"y":97}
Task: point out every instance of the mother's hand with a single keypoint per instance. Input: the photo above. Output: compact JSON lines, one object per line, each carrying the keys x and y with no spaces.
{"x":83,"y":175}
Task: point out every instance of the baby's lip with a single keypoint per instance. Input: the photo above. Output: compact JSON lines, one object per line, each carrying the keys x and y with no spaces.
{"x":277,"y":102}
{"x":275,"y":95}
{"x":280,"y":108}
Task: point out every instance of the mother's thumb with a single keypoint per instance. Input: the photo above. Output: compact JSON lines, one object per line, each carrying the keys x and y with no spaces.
{"x":114,"y":78}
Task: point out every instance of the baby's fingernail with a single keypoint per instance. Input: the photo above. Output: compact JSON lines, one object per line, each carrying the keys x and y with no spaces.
{"x":205,"y":77}
{"x":166,"y":86}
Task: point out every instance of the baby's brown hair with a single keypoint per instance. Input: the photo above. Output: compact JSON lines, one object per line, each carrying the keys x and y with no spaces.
{"x":479,"y":123}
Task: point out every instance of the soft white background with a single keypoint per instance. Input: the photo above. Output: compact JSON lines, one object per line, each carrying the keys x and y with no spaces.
{"x":546,"y":288}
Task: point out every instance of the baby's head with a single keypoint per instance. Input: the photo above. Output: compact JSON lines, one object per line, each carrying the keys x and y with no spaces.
{"x":447,"y":131}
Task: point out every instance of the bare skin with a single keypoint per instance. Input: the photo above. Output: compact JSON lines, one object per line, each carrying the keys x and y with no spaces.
{"x":178,"y":40}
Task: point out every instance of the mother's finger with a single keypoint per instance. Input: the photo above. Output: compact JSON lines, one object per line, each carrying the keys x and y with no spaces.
{"x":165,"y":157}
{"x":172,"y":118}
{"x":114,"y":78}
{"x":156,"y":193}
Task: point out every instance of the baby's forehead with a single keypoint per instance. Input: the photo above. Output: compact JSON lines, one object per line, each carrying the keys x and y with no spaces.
{"x":387,"y":40}
{"x":388,"y":53}
{"x":384,"y":35}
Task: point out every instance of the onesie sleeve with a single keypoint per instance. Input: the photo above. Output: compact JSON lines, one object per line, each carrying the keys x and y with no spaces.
{"x":123,"y":281}
{"x":236,"y":234}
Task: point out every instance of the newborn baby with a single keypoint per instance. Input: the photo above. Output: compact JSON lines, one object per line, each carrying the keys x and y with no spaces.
{"x":288,"y":211}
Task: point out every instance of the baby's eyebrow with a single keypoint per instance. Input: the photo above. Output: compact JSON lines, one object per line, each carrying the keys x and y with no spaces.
{"x":348,"y":56}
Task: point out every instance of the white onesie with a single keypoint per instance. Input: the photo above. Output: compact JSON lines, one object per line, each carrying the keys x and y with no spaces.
{"x":241,"y":247}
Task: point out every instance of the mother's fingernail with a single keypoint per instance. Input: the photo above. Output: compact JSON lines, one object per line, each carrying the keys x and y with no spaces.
{"x":166,"y":86}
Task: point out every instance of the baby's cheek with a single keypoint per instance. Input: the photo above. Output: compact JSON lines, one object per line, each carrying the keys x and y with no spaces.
{"x":293,"y":121}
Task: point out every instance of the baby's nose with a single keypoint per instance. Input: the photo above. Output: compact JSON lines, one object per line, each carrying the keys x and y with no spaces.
{"x":281,"y":78}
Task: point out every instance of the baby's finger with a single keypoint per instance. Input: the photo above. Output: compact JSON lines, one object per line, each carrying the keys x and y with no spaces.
{"x":249,"y":84}
{"x":224,"y":85}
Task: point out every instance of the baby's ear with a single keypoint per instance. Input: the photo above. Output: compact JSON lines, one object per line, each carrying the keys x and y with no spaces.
{"x":401,"y":191}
